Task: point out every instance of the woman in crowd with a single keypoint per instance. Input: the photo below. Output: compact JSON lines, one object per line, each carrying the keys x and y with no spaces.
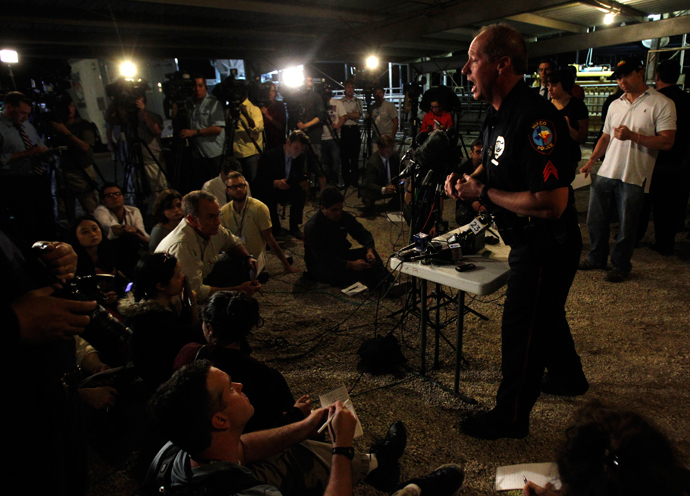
{"x":229,"y":317}
{"x":162,"y":318}
{"x":613,"y":452}
{"x":573,"y":109}
{"x":167,"y":212}
{"x":96,"y":254}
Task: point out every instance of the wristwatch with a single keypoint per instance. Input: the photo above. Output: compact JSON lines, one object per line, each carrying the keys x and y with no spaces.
{"x":349,"y":453}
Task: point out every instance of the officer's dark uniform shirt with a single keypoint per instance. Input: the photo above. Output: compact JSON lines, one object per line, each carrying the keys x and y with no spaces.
{"x":525,"y":150}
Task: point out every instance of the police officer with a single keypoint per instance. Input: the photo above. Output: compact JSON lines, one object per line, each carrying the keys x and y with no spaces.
{"x":525,"y":182}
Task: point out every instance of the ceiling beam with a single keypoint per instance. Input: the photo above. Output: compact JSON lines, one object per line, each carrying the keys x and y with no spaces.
{"x":284,"y":8}
{"x":440,"y":64}
{"x":546,"y":22}
{"x":611,"y":36}
{"x":616,"y":7}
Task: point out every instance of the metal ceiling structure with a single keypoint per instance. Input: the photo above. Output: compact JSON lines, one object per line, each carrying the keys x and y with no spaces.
{"x":272,"y":34}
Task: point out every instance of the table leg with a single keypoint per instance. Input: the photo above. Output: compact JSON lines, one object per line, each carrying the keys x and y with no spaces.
{"x":422,"y":325}
{"x":459,"y":327}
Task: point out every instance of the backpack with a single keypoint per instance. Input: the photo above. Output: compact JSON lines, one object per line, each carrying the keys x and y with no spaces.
{"x":221,"y":483}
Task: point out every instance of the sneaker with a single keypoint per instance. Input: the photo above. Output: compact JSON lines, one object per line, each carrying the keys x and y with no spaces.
{"x":587,"y":265}
{"x":444,"y":481}
{"x":564,"y":386}
{"x":490,"y":426}
{"x":615,"y":275}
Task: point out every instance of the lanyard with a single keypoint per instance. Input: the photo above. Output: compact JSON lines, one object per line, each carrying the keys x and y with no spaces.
{"x":244,"y":212}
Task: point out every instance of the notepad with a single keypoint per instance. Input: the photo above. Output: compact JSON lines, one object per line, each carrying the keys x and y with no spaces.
{"x":512,"y":476}
{"x":340,"y":394}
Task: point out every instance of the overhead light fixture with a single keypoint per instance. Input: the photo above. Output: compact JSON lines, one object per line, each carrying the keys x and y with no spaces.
{"x":372,"y":62}
{"x":608,"y":18}
{"x":128,"y":69}
{"x":294,"y":76}
{"x":9,"y":56}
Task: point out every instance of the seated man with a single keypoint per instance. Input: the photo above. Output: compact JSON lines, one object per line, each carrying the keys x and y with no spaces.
{"x":327,"y":251}
{"x":282,"y":178}
{"x":249,"y":219}
{"x":466,"y":211}
{"x":216,"y":186}
{"x":198,"y":242}
{"x":435,"y":119}
{"x":203,"y":414}
{"x":123,"y":224}
{"x":380,"y":175}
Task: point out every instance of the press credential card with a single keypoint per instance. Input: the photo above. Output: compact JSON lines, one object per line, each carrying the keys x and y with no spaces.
{"x":340,"y":394}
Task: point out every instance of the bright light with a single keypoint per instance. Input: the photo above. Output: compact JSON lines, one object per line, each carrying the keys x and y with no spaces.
{"x":608,"y":18}
{"x":372,"y":62}
{"x":9,"y":56}
{"x":294,"y":76}
{"x":128,"y":69}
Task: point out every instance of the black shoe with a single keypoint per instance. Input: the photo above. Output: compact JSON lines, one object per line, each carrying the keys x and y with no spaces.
{"x":388,"y":452}
{"x":444,"y":481}
{"x":564,"y":386}
{"x":491,"y":426}
{"x":661,"y":250}
{"x":587,"y":265}
{"x":615,"y":275}
{"x":398,"y":290}
{"x":296,"y":233}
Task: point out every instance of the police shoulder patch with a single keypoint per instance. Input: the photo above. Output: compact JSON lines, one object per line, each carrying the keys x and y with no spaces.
{"x":543,"y":136}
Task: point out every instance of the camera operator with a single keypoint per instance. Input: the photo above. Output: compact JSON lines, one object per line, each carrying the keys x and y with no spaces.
{"x":207,"y":122}
{"x":24,"y":184}
{"x":311,"y":110}
{"x":76,"y":177}
{"x":46,"y":409}
{"x":150,"y":129}
{"x":248,"y":143}
{"x":275,"y":119}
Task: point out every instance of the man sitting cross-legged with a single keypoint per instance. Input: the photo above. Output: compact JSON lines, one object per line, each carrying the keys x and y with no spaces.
{"x":203,"y":413}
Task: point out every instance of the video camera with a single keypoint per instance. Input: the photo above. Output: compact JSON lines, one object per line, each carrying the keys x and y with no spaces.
{"x":124,"y":93}
{"x":177,"y":88}
{"x":50,"y":104}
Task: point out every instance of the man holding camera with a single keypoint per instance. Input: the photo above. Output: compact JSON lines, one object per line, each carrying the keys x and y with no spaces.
{"x":207,"y":133}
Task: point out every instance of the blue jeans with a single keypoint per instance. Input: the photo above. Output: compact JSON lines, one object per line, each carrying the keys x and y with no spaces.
{"x":330,"y":158}
{"x":605,"y":196}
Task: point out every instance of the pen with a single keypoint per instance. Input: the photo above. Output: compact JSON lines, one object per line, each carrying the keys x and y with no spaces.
{"x":529,"y":490}
{"x":327,"y":422}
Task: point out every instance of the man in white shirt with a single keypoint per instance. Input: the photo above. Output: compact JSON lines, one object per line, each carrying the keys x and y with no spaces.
{"x":330,"y":146}
{"x":639,"y":124}
{"x":384,"y":115}
{"x":216,"y":186}
{"x":350,"y":139}
{"x":200,"y":244}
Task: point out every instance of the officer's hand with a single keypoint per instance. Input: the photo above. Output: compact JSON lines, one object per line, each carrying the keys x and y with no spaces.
{"x":342,"y":427}
{"x":61,"y":259}
{"x":469,"y":188}
{"x":449,"y":187}
{"x":44,"y":318}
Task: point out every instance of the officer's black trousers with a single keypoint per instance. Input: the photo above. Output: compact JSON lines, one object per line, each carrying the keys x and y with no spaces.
{"x":535,"y":332}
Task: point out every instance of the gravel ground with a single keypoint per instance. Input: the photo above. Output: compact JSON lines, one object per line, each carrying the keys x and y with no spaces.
{"x":632,"y":338}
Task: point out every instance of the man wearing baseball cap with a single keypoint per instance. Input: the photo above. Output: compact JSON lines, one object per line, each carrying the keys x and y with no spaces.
{"x":639,"y":124}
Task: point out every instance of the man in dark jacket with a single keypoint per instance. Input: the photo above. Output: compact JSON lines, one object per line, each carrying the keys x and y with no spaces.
{"x":327,"y":251}
{"x":282,"y":178}
{"x":380,"y":175}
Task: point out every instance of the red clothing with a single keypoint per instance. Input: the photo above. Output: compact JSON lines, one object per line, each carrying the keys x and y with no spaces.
{"x":578,"y":92}
{"x":427,"y":126}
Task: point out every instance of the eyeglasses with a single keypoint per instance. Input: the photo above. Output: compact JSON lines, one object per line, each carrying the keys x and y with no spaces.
{"x":237,"y":186}
{"x":114,"y":194}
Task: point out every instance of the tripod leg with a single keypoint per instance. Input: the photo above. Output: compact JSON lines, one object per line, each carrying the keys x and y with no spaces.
{"x":422,"y":326}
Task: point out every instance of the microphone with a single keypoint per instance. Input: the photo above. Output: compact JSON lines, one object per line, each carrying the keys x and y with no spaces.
{"x":432,"y":147}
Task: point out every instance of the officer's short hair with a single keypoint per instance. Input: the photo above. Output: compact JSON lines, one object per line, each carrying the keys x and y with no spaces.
{"x":668,"y":71}
{"x":504,"y":40}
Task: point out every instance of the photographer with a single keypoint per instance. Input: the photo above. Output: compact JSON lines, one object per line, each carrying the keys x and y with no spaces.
{"x":46,"y":409}
{"x":248,"y":143}
{"x":275,"y":119}
{"x":76,"y":177}
{"x":207,"y":122}
{"x":24,"y":184}
{"x":150,"y":129}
